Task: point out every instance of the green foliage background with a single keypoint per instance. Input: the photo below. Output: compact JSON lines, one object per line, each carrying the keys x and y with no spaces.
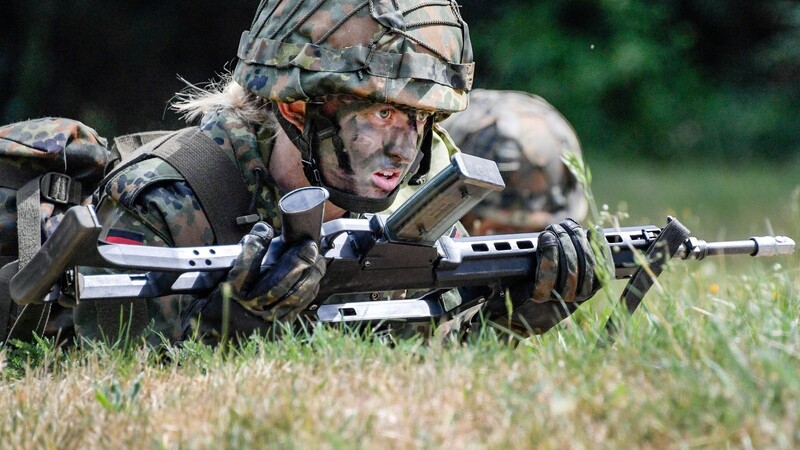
{"x":686,"y":80}
{"x":662,"y":80}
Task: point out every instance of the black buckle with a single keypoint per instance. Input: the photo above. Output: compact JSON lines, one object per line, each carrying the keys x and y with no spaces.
{"x":60,"y":188}
{"x":248,"y":219}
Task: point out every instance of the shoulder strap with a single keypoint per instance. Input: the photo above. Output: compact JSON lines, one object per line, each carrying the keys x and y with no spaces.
{"x":213,"y":176}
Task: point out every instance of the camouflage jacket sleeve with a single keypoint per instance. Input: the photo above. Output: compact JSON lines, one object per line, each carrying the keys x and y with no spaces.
{"x":146,"y":204}
{"x":152,"y":198}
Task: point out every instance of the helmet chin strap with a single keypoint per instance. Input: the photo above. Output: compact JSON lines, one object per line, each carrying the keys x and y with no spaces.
{"x":320,"y":134}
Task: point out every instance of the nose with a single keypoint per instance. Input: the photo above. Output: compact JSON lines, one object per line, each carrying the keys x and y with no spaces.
{"x":403,"y":150}
{"x":402,"y":154}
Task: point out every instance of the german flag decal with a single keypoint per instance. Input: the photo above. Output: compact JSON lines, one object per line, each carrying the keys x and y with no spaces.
{"x":120,"y":236}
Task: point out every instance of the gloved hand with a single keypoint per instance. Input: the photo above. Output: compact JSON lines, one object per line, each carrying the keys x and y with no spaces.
{"x":564,"y":277}
{"x":283,"y":291}
{"x":565,"y":265}
{"x":279,"y":294}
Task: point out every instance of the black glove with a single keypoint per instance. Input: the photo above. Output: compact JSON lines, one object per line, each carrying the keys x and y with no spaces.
{"x":565,"y":277}
{"x":287,"y":288}
{"x":279,"y":294}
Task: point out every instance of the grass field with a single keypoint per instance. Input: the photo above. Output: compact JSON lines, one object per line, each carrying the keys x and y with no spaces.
{"x":715,"y":202}
{"x":711,"y":361}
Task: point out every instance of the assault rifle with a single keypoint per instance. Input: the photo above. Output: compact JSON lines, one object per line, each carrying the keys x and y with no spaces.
{"x":408,"y":249}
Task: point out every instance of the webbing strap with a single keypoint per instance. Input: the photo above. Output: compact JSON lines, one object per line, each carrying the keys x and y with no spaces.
{"x":214,"y":177}
{"x":127,"y":144}
{"x":660,"y":251}
{"x":32,"y":318}
{"x":29,"y":221}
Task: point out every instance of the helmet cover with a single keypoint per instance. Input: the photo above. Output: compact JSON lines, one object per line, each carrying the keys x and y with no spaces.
{"x":412,"y":53}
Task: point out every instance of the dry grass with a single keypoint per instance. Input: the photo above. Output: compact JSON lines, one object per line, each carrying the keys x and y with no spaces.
{"x":693,"y":370}
{"x":711,"y":361}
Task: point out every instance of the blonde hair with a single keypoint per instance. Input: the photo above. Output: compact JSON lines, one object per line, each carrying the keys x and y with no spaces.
{"x":195,"y":101}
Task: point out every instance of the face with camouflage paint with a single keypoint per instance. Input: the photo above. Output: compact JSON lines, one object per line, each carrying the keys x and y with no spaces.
{"x":380,"y":143}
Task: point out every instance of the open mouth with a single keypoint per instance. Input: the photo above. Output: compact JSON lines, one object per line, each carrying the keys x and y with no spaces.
{"x":386,"y":179}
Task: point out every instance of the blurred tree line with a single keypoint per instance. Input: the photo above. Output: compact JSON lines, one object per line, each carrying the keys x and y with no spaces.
{"x":684,"y":80}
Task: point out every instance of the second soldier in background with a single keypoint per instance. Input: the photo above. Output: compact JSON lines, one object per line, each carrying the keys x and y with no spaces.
{"x":526,"y":137}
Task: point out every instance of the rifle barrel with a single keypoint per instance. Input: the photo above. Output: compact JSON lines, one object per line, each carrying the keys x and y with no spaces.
{"x":761,"y":246}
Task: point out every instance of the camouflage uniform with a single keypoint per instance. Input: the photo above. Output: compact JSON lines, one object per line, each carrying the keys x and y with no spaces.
{"x":152,"y":201}
{"x":527,"y":137}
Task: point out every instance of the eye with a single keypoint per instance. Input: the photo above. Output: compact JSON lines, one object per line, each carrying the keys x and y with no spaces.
{"x":384,"y":113}
{"x":422,"y":116}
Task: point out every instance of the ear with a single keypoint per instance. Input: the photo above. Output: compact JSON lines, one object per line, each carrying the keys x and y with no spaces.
{"x":294,"y":112}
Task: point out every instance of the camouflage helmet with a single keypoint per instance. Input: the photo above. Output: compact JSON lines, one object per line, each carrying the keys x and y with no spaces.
{"x":527,"y":137}
{"x":413,"y":53}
